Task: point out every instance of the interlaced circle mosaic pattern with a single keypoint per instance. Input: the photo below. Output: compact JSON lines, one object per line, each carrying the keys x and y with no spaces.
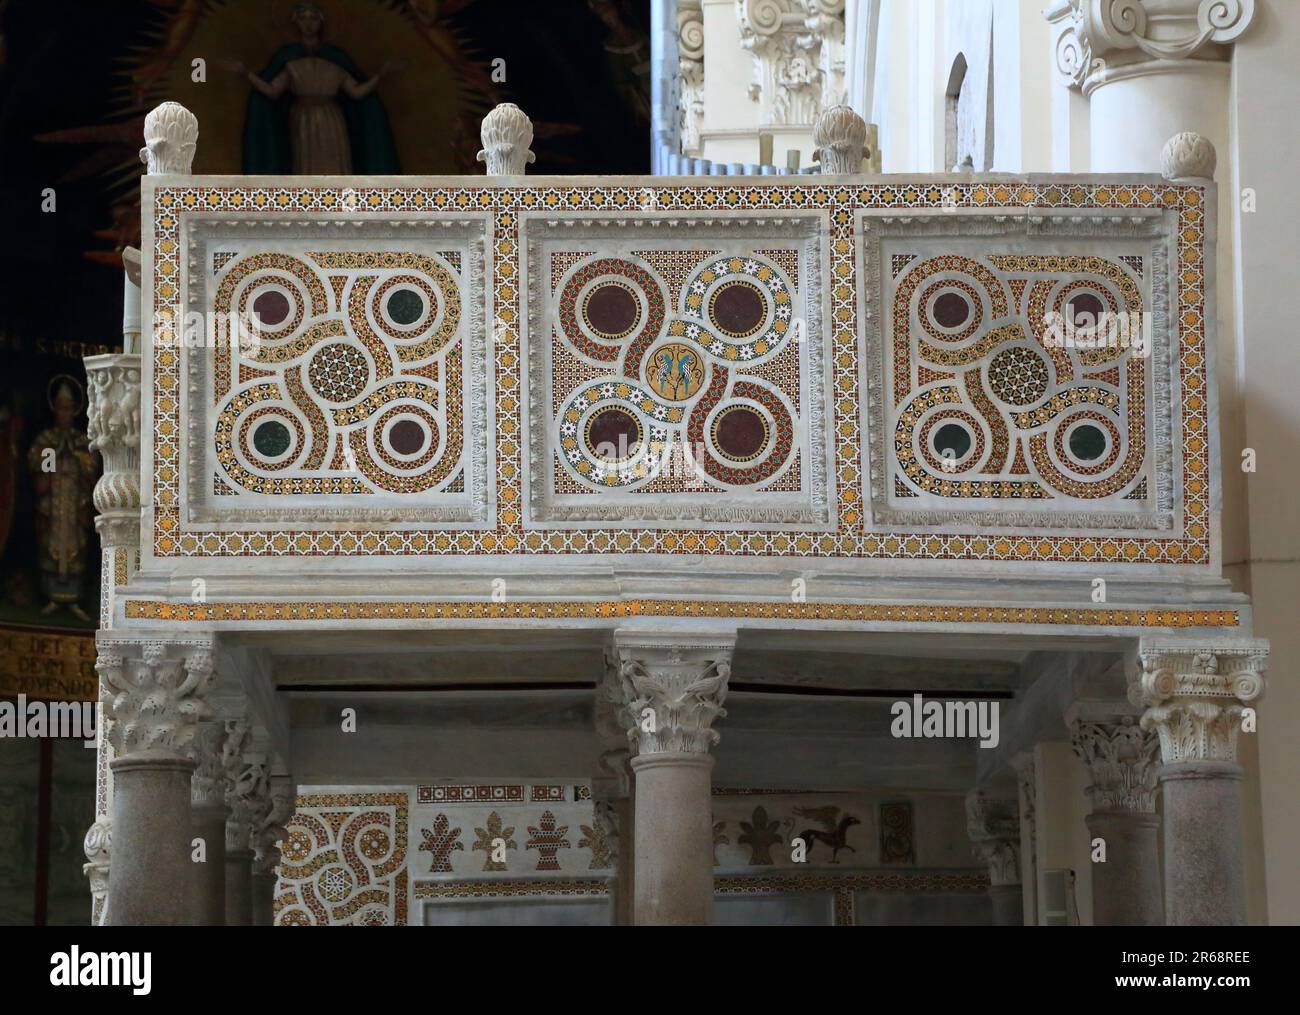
{"x":673,"y":378}
{"x":1000,"y":317}
{"x":308,"y":407}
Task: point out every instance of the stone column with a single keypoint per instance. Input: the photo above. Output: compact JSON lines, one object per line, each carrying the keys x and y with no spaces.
{"x":266,"y":849}
{"x":1122,"y":764}
{"x":154,"y":694}
{"x":994,"y":829}
{"x":1198,"y":697}
{"x":208,"y":821}
{"x":674,"y":685}
{"x":242,"y":771}
{"x":612,"y":789}
{"x":1027,"y":801}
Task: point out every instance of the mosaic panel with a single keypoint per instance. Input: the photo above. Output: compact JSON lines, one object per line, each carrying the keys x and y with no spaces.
{"x":1169,"y":525}
{"x":344,"y":861}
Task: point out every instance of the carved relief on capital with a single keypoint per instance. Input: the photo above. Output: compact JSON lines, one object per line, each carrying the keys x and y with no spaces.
{"x":154,"y":693}
{"x":1196,"y":696}
{"x":113,"y":428}
{"x":171,"y":133}
{"x":270,"y":830}
{"x":1122,"y":760}
{"x":208,"y":784}
{"x":1169,"y":30}
{"x":798,"y":53}
{"x":98,"y":846}
{"x":673,"y":690}
{"x":993,"y":826}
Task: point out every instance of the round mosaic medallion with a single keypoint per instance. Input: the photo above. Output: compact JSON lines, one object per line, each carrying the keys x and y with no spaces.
{"x":339,"y":372}
{"x":737,"y":308}
{"x":952,"y":441}
{"x":740,"y":432}
{"x":1085,"y":310}
{"x":271,"y":438}
{"x":271,"y":307}
{"x":374,"y":844}
{"x":611,"y":310}
{"x":950,"y":310}
{"x":675,"y":371}
{"x":406,"y":437}
{"x":296,"y":846}
{"x":613,"y":434}
{"x":1087,"y":442}
{"x":1018,"y":376}
{"x":405,"y":305}
{"x":334,"y":884}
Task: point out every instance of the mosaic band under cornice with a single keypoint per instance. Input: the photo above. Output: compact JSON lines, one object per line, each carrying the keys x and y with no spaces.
{"x":1075,"y":422}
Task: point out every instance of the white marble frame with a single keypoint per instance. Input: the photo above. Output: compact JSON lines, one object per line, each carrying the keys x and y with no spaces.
{"x":295,"y":232}
{"x":618,"y":234}
{"x":1154,"y":234}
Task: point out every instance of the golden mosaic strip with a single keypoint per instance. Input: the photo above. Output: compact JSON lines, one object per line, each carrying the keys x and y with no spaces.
{"x":839,"y":202}
{"x":145,"y":609}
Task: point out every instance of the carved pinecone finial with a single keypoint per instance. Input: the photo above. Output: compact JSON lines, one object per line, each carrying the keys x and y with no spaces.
{"x":170,"y":134}
{"x":507,"y":134}
{"x":1188,"y":156}
{"x":840,"y":137}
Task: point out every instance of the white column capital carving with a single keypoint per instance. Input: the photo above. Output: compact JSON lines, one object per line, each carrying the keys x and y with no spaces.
{"x":98,"y":846}
{"x":673,"y":686}
{"x":171,"y":133}
{"x":208,"y":784}
{"x":1104,"y":38}
{"x":994,"y":829}
{"x":690,"y":66}
{"x":113,"y":429}
{"x":1122,"y":757}
{"x":507,"y":135}
{"x":786,"y":39}
{"x":154,"y":692}
{"x":1188,"y":156}
{"x":1195,"y":695}
{"x":270,"y":830}
{"x":840,"y":136}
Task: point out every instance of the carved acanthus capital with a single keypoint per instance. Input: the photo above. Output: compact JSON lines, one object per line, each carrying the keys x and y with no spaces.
{"x":994,"y":829}
{"x":1122,"y":759}
{"x":1196,"y":695}
{"x":208,"y":784}
{"x":673,"y":687}
{"x":690,"y":66}
{"x":171,"y":133}
{"x":270,"y":831}
{"x":507,"y":134}
{"x":113,"y":428}
{"x":154,"y":693}
{"x":1103,"y":36}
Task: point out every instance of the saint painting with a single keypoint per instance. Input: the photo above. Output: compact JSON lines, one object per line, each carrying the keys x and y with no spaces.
{"x":313,"y":112}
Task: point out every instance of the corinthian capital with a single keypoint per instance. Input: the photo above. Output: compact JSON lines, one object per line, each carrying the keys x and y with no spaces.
{"x":994,"y":829}
{"x":154,"y":692}
{"x":171,"y":133}
{"x":113,"y":429}
{"x":1196,"y":694}
{"x":1127,"y":33}
{"x":673,"y":687}
{"x":1121,"y":756}
{"x":788,"y":77}
{"x":690,"y":64}
{"x":270,"y":829}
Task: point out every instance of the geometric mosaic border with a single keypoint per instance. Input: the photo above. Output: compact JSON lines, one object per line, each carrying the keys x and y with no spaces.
{"x":148,"y":609}
{"x":169,"y":203}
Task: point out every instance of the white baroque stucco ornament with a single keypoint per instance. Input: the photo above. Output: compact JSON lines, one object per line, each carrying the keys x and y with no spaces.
{"x":1151,"y":29}
{"x":1122,"y":763}
{"x":787,"y":81}
{"x":690,"y":64}
{"x":153,"y":693}
{"x":840,"y":137}
{"x":994,"y":830}
{"x":674,"y":688}
{"x":507,"y":135}
{"x":1196,"y":696}
{"x":1188,"y":156}
{"x":171,"y":133}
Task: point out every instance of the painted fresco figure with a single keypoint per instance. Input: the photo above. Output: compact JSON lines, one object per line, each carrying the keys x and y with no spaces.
{"x":312,"y":111}
{"x":63,"y":471}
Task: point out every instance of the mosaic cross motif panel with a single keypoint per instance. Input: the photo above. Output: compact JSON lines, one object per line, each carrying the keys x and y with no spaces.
{"x":766,"y":368}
